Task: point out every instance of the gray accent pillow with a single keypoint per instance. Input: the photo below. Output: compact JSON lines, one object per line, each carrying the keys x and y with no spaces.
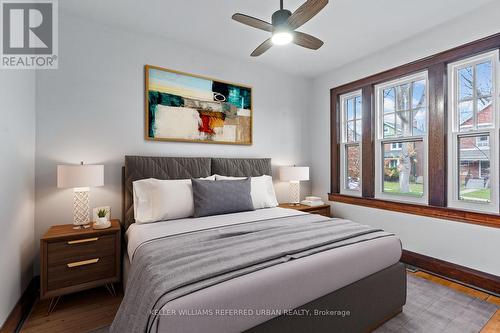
{"x":221,"y":197}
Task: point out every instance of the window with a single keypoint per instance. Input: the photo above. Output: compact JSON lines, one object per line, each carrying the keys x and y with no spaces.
{"x":393,"y":163}
{"x":483,"y":141}
{"x":433,"y":144}
{"x":396,"y":146}
{"x":400,"y":151}
{"x":350,"y":150}
{"x":473,"y":128}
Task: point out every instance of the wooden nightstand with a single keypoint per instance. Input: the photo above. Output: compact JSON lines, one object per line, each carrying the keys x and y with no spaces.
{"x":75,"y":260}
{"x":320,"y":210}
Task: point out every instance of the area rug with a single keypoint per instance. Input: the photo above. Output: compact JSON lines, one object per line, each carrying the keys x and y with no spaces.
{"x":433,"y":308}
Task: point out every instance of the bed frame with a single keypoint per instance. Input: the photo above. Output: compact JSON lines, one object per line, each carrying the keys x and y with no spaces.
{"x":370,"y":301}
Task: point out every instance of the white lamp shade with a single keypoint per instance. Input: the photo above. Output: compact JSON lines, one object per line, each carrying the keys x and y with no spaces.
{"x":293,"y":173}
{"x":74,"y":176}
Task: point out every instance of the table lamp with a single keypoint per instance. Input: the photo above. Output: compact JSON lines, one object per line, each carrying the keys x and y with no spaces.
{"x":294,"y":174}
{"x":80,"y":178}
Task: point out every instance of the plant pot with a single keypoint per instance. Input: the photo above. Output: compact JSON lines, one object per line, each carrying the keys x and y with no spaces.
{"x":101,"y":223}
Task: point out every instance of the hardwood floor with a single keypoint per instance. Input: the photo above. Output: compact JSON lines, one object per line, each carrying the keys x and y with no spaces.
{"x":80,"y":312}
{"x":96,"y":308}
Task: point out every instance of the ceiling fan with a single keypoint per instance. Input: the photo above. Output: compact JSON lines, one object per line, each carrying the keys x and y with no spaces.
{"x":284,"y":24}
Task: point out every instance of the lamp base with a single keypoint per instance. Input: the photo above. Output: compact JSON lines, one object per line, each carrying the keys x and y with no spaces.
{"x":81,"y":208}
{"x":294,"y":194}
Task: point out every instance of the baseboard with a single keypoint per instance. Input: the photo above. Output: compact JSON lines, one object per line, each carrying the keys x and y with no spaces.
{"x":22,"y":308}
{"x":469,"y":276}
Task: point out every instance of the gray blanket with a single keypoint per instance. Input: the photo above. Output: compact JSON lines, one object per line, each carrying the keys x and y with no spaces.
{"x":168,"y":268}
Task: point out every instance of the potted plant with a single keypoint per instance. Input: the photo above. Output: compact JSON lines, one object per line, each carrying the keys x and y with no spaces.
{"x":102,"y":220}
{"x":101,"y":215}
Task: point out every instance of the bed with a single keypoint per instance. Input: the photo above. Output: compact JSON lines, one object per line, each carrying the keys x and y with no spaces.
{"x":350,"y":288}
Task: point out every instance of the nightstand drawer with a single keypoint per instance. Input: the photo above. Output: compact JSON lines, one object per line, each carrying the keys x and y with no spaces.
{"x":77,"y":272}
{"x":63,"y":252}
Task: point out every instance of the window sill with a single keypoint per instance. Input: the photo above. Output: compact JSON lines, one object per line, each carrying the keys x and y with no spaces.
{"x":484,"y":219}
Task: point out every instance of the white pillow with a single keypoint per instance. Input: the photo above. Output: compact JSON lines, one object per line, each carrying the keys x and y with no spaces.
{"x":262,"y":190}
{"x":160,"y":200}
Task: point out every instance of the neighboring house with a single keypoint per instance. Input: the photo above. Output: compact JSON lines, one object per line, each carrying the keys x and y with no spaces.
{"x":475,"y":151}
{"x":353,"y":167}
{"x":392,"y":153}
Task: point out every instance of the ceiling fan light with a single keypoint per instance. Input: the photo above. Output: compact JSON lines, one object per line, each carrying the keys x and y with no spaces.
{"x":282,"y":38}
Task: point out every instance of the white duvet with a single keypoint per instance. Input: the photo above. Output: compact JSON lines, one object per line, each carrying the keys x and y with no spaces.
{"x":138,"y":234}
{"x":309,"y":278}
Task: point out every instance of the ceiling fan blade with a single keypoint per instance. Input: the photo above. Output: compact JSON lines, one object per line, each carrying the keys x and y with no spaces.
{"x":262,"y":48}
{"x":305,"y":12}
{"x":307,"y":41}
{"x":253,"y":22}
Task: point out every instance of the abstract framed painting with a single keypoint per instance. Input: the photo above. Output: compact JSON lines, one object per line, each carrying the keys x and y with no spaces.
{"x":192,"y":108}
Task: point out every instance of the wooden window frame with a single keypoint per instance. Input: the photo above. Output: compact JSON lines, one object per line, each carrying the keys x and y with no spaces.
{"x":437,"y":131}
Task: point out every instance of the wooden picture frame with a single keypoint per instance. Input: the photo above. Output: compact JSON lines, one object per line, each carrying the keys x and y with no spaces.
{"x":183,"y":107}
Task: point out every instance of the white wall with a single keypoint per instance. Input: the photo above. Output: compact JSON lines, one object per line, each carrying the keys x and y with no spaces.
{"x":468,"y":245}
{"x":92,"y":109}
{"x":17,"y":148}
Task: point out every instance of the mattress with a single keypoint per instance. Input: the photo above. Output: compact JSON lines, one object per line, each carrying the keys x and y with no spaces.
{"x":246,"y":301}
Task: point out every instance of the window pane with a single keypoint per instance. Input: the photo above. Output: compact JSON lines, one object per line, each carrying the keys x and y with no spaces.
{"x":466,"y":119}
{"x":350,"y":135}
{"x":389,"y":103}
{"x":358,"y":130}
{"x":359,"y":110}
{"x":410,"y":104}
{"x":484,"y":112}
{"x":474,"y":173}
{"x":418,"y":94}
{"x":465,"y":83}
{"x":389,"y":125}
{"x":403,"y":169}
{"x":419,"y":122}
{"x":350,"y":108}
{"x":353,"y":162}
{"x":403,"y":97}
{"x":403,"y":123}
{"x":484,"y":83}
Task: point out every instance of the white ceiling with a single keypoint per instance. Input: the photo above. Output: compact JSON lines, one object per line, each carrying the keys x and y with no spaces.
{"x":351,"y":29}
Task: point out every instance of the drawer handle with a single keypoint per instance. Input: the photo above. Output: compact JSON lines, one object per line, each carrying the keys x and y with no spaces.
{"x":83,"y":263}
{"x":86,"y":240}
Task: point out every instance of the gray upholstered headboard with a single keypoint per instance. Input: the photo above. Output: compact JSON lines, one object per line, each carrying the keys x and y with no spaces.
{"x":142,"y":167}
